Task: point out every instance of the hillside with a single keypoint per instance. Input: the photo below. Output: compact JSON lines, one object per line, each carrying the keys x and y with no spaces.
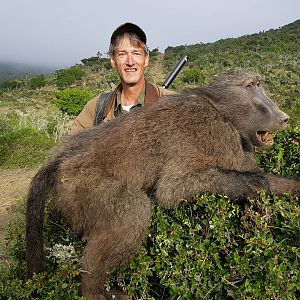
{"x":11,"y":71}
{"x":275,"y":54}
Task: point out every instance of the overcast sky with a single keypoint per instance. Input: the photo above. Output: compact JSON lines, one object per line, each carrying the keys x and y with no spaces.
{"x":62,"y":32}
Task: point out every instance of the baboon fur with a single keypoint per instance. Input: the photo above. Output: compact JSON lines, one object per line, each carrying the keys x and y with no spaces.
{"x":106,"y":180}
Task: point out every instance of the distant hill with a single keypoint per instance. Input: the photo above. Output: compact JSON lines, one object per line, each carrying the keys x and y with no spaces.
{"x":10,"y":71}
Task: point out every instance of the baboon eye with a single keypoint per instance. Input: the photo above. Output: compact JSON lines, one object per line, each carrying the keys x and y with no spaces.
{"x":250,"y":84}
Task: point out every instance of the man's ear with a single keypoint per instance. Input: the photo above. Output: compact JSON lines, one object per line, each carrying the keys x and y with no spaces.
{"x":147,"y":61}
{"x":112,"y":62}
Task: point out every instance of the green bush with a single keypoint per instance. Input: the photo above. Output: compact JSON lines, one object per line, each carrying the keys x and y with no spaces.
{"x":20,"y":146}
{"x":193,"y":75}
{"x":71,"y":101}
{"x":37,"y":82}
{"x":8,"y":85}
{"x":67,"y":77}
{"x":283,"y":158}
{"x":62,"y":281}
{"x":215,"y":248}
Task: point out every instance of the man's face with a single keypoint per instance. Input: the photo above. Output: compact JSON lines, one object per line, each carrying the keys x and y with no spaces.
{"x":130,"y":62}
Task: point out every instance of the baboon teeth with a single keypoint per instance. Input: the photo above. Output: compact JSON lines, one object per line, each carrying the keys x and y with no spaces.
{"x":265,"y":137}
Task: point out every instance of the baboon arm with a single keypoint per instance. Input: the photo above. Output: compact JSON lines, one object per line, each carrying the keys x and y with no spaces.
{"x":172,"y":189}
{"x":281,"y":184}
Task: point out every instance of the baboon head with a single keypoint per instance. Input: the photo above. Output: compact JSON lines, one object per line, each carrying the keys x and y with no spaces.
{"x":241,"y":99}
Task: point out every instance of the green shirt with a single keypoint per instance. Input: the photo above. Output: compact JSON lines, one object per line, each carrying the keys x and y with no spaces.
{"x":118,"y":106}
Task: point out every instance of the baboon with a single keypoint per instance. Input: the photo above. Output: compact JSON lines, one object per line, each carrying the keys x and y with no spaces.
{"x":106,"y":180}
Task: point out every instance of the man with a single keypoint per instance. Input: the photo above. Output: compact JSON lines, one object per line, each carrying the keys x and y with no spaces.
{"x":129,"y":56}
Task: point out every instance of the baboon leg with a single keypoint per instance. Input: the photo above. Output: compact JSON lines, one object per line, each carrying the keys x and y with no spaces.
{"x":171,"y":190}
{"x":281,"y":185}
{"x":114,"y":241}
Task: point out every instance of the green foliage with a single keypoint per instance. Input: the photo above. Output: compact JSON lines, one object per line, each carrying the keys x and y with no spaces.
{"x":71,"y":101}
{"x":62,"y":282}
{"x":8,"y":85}
{"x":193,"y":75}
{"x":97,"y":62}
{"x":22,"y":147}
{"x":153,"y":53}
{"x":67,"y":77}
{"x":37,"y":82}
{"x":90,"y":60}
{"x":112,"y":77}
{"x":215,"y":248}
{"x":283,"y":158}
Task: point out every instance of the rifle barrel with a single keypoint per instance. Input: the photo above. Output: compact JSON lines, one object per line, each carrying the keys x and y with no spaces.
{"x":175,"y":71}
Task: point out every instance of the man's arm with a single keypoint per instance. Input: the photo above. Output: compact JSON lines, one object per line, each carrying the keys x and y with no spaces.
{"x":86,"y":117}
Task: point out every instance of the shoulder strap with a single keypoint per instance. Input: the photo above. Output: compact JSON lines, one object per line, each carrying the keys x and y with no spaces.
{"x":152,"y":93}
{"x":101,"y":107}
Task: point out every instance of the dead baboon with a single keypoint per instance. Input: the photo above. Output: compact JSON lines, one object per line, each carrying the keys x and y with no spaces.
{"x":105,"y":180}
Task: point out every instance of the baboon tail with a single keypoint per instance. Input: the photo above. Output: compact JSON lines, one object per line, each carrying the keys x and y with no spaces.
{"x":41,"y":185}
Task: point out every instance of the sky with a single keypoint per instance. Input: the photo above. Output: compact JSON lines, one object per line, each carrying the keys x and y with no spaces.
{"x":59,"y":33}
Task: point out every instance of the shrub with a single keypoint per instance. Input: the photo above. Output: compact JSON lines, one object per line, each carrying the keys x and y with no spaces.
{"x":90,"y":60}
{"x":67,"y":77}
{"x":37,"y":82}
{"x":20,"y":146}
{"x":71,"y":101}
{"x":8,"y":85}
{"x":215,"y":248}
{"x":193,"y":75}
{"x":283,"y":158}
{"x":62,"y":282}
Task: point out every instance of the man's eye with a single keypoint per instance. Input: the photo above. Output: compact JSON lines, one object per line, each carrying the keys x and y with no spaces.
{"x":137,"y":53}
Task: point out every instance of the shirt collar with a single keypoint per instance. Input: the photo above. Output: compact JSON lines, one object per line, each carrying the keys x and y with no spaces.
{"x":140,"y":100}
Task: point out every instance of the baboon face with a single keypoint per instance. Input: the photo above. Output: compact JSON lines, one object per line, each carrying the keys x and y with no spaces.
{"x":243,"y":101}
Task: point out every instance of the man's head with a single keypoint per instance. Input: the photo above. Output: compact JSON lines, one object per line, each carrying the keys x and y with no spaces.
{"x":128,"y":52}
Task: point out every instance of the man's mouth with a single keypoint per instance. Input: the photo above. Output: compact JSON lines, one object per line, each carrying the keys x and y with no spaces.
{"x":130,"y":70}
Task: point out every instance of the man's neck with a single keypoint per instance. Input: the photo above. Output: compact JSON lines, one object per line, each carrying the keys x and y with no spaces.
{"x":130,"y":93}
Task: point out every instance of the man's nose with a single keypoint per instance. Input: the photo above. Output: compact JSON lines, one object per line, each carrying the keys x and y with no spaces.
{"x":130,"y":60}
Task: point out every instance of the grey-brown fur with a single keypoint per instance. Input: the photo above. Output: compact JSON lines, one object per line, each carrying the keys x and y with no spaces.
{"x":103,"y":178}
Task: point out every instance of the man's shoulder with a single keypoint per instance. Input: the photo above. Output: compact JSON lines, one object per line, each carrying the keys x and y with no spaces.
{"x":92,"y":102}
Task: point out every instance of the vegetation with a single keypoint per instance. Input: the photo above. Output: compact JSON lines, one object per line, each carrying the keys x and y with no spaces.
{"x":216,"y":248}
{"x":25,"y":139}
{"x":37,"y":82}
{"x":67,"y":77}
{"x":71,"y":101}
